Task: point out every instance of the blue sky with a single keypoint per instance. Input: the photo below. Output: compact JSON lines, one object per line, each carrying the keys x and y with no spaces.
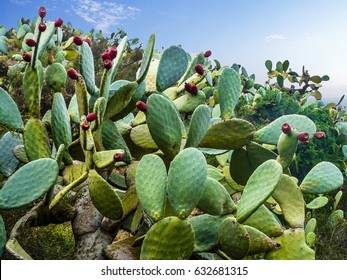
{"x":311,"y":33}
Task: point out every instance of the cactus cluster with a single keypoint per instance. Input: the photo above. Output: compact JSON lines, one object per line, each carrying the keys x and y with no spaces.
{"x":163,"y":157}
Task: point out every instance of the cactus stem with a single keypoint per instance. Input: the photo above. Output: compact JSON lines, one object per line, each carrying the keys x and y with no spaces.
{"x":68,"y":188}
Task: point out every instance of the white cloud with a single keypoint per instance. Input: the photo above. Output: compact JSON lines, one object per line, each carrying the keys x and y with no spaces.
{"x":274,"y":37}
{"x":21,"y":2}
{"x":104,"y":15}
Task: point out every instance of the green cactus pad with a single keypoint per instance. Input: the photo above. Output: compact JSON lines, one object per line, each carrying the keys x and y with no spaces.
{"x":290,"y":199}
{"x":173,"y":64}
{"x":322,"y":178}
{"x":9,"y":114}
{"x":120,"y":99}
{"x":73,"y":110}
{"x":259,"y":242}
{"x":205,"y":227}
{"x":87,"y":67}
{"x":28,"y":183}
{"x":214,"y":173}
{"x":311,"y":239}
{"x":2,"y":236}
{"x":74,"y":171}
{"x":265,"y":221}
{"x":230,"y":181}
{"x":164,"y":124}
{"x":169,"y":239}
{"x":151,"y":181}
{"x":81,"y":97}
{"x":36,"y":140}
{"x":293,"y":247}
{"x":152,"y":75}
{"x":121,"y":48}
{"x":15,"y":249}
{"x":318,"y":202}
{"x":310,"y":226}
{"x":111,"y":139}
{"x":20,"y":154}
{"x":187,"y":103}
{"x":141,"y":136}
{"x":229,"y":135}
{"x":186,"y":181}
{"x":233,"y":238}
{"x":104,"y":196}
{"x":271,"y":133}
{"x":8,"y":161}
{"x":55,"y":76}
{"x":240,"y":166}
{"x":146,"y":59}
{"x":287,"y":145}
{"x":32,"y":86}
{"x":229,"y":88}
{"x":335,"y":219}
{"x":199,"y":123}
{"x":99,"y":110}
{"x":258,"y":189}
{"x":215,"y":199}
{"x":104,"y":159}
{"x":60,"y":124}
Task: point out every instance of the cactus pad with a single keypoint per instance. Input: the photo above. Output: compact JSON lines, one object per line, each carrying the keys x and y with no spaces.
{"x":240,"y":166}
{"x":29,"y":183}
{"x":186,"y":181}
{"x":146,"y":59}
{"x":293,"y":247}
{"x":233,"y":238}
{"x":259,"y":242}
{"x":87,"y":67}
{"x":169,"y":239}
{"x":318,"y":202}
{"x":36,"y":140}
{"x":104,"y":159}
{"x":2,"y":236}
{"x":20,"y":154}
{"x":259,"y":187}
{"x":215,"y":199}
{"x":60,"y":124}
{"x":164,"y":124}
{"x":55,"y":76}
{"x":229,"y":135}
{"x":271,"y":133}
{"x":9,"y":114}
{"x":104,"y":196}
{"x":205,"y":227}
{"x":322,"y":178}
{"x":290,"y":199}
{"x":229,"y":88}
{"x":172,"y":65}
{"x":265,"y":221}
{"x":199,"y":123}
{"x":141,"y":136}
{"x":187,"y":103}
{"x":151,"y":184}
{"x":8,"y":161}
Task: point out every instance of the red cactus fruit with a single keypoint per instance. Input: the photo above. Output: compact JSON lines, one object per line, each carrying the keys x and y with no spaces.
{"x":286,"y":128}
{"x":305,"y":142}
{"x":106,"y":55}
{"x":142,"y":106}
{"x":117,"y":157}
{"x":27,"y":57}
{"x":333,"y":107}
{"x":72,"y":73}
{"x":58,"y":22}
{"x":341,"y":188}
{"x":78,"y":40}
{"x":139,"y":63}
{"x":30,"y":42}
{"x":194,"y":89}
{"x":42,"y":27}
{"x":42,"y":12}
{"x":85,"y":125}
{"x":303,"y":136}
{"x":188,"y":87}
{"x":199,"y":69}
{"x":207,"y":53}
{"x":107,"y":64}
{"x":319,"y":135}
{"x":113,"y":52}
{"x":50,"y":59}
{"x":88,"y":41}
{"x":91,"y":117}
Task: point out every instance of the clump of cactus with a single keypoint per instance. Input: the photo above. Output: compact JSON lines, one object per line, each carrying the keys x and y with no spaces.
{"x":163,"y":158}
